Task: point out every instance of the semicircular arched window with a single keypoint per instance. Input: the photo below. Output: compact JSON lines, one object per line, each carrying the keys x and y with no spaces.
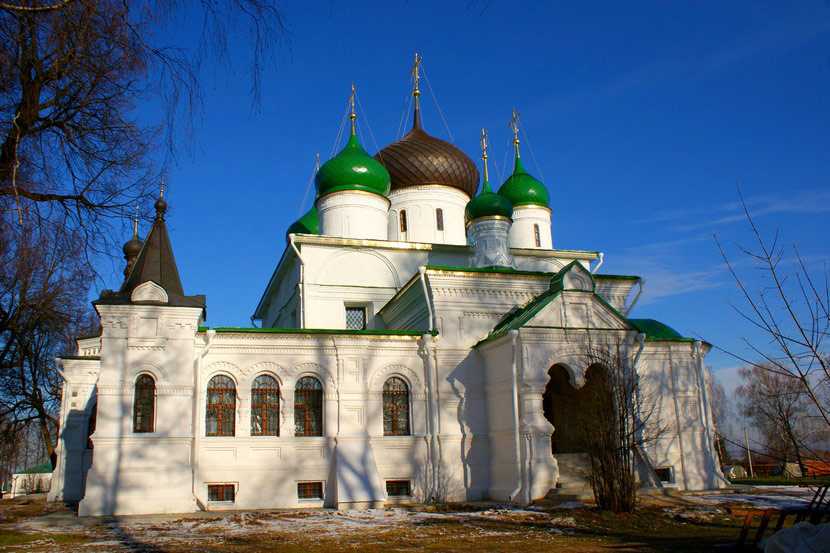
{"x":308,"y":407}
{"x":265,"y":406}
{"x":144,"y":404}
{"x":220,"y":419}
{"x":395,"y":407}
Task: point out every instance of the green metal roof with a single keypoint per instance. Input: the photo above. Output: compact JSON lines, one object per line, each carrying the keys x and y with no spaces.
{"x":42,"y":468}
{"x":353,"y":169}
{"x":616,"y":277}
{"x":325,"y":331}
{"x":307,"y":224}
{"x":656,"y":331}
{"x":488,"y":204}
{"x":521,"y":188}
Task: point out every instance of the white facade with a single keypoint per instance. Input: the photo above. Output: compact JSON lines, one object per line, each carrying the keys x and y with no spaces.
{"x":353,"y":214}
{"x":531,"y":227}
{"x":433,"y":214}
{"x":475,"y":402}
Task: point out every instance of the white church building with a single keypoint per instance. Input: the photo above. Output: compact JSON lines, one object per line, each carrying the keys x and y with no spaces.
{"x":417,"y":341}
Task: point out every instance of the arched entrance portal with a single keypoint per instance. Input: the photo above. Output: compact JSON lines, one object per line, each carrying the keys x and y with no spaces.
{"x":571,"y":410}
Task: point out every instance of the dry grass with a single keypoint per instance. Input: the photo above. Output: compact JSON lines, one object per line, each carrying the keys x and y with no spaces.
{"x":659,"y":526}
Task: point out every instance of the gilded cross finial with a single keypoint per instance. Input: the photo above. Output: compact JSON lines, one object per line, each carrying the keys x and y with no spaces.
{"x":316,"y":162}
{"x":416,"y":75}
{"x":484,"y":154}
{"x":514,"y":126}
{"x":352,"y":112}
{"x":135,"y":221}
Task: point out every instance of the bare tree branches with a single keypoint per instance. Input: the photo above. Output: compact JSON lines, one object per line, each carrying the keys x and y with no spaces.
{"x":791,"y":311}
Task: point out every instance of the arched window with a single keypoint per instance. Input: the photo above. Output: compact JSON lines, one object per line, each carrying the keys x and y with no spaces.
{"x":308,"y":407}
{"x":439,"y":219}
{"x":220,"y":419}
{"x":265,"y":406}
{"x":537,"y":238}
{"x":395,"y":407}
{"x":144,"y":404}
{"x":403,"y":220}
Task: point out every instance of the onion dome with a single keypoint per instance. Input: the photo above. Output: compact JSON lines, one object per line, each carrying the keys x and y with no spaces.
{"x":488,"y":203}
{"x":521,"y":188}
{"x":307,"y":224}
{"x":132,"y":248}
{"x":420,"y":159}
{"x":353,"y":168}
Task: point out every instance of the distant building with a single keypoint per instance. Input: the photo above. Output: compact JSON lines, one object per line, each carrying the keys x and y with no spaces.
{"x":35,"y":479}
{"x":417,"y":342}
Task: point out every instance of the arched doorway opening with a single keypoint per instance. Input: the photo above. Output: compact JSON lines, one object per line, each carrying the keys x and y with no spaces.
{"x":570,"y":409}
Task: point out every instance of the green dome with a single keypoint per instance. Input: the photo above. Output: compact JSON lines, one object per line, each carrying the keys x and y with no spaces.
{"x":488,"y":204}
{"x":523,"y":189}
{"x":307,"y":224}
{"x":352,"y":169}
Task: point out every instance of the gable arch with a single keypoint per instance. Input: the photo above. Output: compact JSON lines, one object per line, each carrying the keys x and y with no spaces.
{"x":375,"y":270}
{"x":265,"y":367}
{"x":381,"y":375}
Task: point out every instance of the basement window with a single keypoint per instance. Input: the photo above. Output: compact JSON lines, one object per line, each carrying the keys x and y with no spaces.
{"x":398,"y":488}
{"x":310,"y":490}
{"x":225,"y":493}
{"x":665,"y":474}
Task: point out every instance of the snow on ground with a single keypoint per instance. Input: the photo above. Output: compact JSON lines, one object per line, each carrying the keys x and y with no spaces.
{"x":761,"y":497}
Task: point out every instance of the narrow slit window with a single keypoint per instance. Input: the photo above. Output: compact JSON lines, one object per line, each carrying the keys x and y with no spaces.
{"x":309,"y":490}
{"x":439,"y":219}
{"x":398,"y":488}
{"x":144,"y":404}
{"x":403,"y":220}
{"x":221,"y":492}
{"x":537,"y":237}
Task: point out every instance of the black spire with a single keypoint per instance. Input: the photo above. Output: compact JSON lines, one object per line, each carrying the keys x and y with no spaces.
{"x":156,"y":263}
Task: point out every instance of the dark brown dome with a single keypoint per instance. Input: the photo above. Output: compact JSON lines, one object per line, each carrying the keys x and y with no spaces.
{"x":419,"y":159}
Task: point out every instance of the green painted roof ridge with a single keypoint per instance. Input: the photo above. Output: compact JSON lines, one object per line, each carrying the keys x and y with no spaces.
{"x":494,"y":269}
{"x":338,"y":331}
{"x":617,"y":277}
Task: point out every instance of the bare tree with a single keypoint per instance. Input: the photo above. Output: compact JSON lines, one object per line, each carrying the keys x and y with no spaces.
{"x":791,"y":309}
{"x":615,"y":421}
{"x":72,"y":152}
{"x":44,"y":285}
{"x":719,"y":405}
{"x":782,"y":412}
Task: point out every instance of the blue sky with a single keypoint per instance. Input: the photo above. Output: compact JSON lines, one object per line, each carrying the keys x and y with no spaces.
{"x":642,"y":118}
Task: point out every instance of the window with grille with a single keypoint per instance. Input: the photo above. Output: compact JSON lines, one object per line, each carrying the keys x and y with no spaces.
{"x":144,"y":404}
{"x":309,"y":490}
{"x":403,"y":220}
{"x":220,"y":419}
{"x":221,"y":492}
{"x":398,"y":488}
{"x":308,"y":407}
{"x":665,"y":474}
{"x":395,"y":407}
{"x":537,"y":238}
{"x":439,"y":219}
{"x":356,"y":318}
{"x":265,"y":406}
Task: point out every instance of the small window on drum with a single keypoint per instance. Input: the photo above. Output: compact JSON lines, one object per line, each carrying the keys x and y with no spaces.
{"x":398,"y":488}
{"x":537,"y":237}
{"x":356,"y":318}
{"x":439,"y":219}
{"x":403,"y":220}
{"x":310,"y":490}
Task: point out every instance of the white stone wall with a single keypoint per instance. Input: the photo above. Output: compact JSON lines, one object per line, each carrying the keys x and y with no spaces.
{"x":353,"y":214}
{"x":421,"y":204}
{"x":523,"y":233}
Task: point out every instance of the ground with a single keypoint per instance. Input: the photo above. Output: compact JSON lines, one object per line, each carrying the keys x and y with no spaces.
{"x":663,"y":523}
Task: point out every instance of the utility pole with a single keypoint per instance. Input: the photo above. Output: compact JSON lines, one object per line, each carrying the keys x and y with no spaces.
{"x":748,"y":454}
